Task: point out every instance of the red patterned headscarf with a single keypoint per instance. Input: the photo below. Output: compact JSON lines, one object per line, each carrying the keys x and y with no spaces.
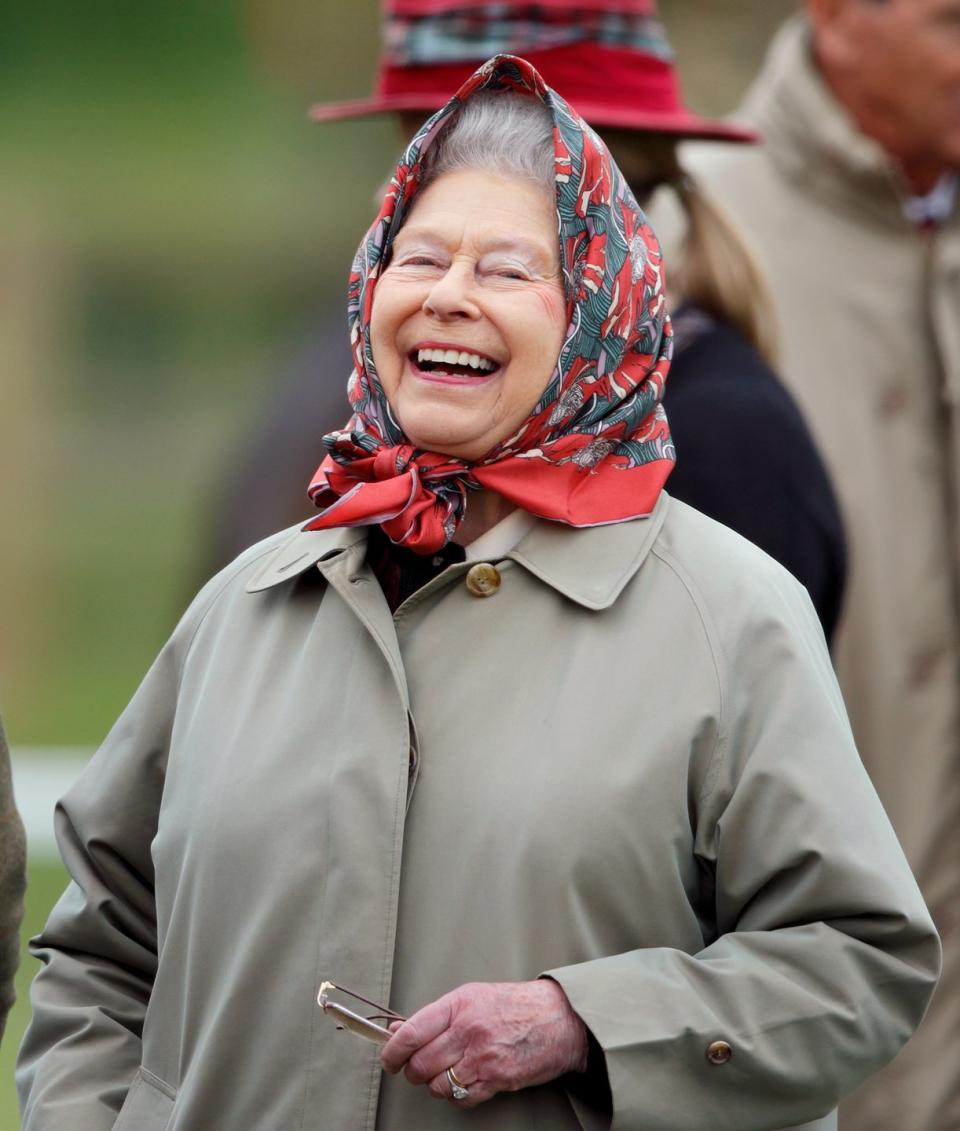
{"x":596,"y":448}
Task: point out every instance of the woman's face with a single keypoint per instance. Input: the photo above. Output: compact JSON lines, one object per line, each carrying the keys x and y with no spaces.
{"x":469,"y":316}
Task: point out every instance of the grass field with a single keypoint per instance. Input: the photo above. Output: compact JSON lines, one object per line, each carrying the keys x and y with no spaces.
{"x":45,"y":881}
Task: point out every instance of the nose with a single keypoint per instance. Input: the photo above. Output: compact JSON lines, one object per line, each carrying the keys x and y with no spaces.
{"x":452,"y":295}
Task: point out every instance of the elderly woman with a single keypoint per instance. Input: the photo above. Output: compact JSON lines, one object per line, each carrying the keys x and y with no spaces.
{"x":504,"y":737}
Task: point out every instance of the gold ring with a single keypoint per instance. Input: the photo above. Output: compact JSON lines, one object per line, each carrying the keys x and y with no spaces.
{"x":457,"y":1089}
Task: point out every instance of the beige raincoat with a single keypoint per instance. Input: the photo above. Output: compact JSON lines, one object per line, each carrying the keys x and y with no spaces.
{"x":630,"y":767}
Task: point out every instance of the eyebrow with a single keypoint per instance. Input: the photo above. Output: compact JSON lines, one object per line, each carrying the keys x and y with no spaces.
{"x":527,"y":247}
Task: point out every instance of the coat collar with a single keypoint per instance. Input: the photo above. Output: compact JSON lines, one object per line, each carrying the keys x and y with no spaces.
{"x":589,"y":566}
{"x":302,"y":550}
{"x":812,"y":138}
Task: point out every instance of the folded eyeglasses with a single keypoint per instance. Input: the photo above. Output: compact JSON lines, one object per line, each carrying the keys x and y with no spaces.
{"x":345,"y":1018}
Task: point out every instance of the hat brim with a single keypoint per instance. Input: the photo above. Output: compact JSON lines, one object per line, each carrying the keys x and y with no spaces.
{"x":680,"y":125}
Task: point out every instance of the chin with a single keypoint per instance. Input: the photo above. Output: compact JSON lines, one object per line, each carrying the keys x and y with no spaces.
{"x":447,"y":445}
{"x":445,"y":436}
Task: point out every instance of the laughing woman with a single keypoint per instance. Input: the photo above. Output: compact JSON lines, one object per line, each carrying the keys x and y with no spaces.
{"x":504,"y":736}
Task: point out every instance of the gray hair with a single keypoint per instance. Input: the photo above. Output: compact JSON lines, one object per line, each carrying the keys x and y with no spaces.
{"x":509,"y":134}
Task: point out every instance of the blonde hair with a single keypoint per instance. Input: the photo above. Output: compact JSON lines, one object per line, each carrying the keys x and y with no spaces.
{"x":715,"y":269}
{"x":719,"y":273}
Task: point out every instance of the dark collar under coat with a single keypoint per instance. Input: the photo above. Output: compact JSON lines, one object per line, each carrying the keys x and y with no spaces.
{"x":590,"y":566}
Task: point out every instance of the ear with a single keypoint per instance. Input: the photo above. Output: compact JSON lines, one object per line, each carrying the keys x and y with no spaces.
{"x":822,"y":11}
{"x":835,"y":27}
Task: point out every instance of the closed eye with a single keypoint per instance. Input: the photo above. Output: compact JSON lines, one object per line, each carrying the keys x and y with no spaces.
{"x":505,"y":271}
{"x":498,"y":265}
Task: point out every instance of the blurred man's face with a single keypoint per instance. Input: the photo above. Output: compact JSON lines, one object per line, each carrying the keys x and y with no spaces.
{"x":895,"y":64}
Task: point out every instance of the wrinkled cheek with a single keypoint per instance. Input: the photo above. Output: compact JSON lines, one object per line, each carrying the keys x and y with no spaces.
{"x":554,"y":308}
{"x":553,"y":305}
{"x":550,"y":311}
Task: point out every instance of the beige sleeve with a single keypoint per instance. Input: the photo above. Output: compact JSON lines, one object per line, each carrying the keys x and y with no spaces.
{"x":819,"y":955}
{"x":99,"y":946}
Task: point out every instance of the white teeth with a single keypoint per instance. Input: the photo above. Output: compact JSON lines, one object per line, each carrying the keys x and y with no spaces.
{"x":456,"y":357}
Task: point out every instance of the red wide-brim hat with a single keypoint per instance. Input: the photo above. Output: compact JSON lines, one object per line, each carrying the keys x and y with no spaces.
{"x":608,"y":58}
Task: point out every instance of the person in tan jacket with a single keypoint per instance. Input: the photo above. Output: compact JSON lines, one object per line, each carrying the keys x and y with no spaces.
{"x":504,"y":737}
{"x":852,"y":206}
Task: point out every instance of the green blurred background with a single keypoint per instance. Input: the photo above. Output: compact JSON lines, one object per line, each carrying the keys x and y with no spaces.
{"x":172,"y":226}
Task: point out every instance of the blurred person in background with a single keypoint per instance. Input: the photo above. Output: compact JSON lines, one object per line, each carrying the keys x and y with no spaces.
{"x":260,"y":488}
{"x":610,"y":59}
{"x":13,"y":882}
{"x":505,"y":734}
{"x":852,"y":206}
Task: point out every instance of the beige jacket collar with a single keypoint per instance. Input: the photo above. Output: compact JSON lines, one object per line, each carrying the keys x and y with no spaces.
{"x":590,"y":566}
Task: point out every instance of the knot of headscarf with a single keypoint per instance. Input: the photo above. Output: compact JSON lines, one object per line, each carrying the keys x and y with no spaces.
{"x":596,"y":448}
{"x":417,"y":497}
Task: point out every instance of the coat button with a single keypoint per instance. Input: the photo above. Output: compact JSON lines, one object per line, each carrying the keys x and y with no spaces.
{"x":483,"y":579}
{"x":719,"y":1052}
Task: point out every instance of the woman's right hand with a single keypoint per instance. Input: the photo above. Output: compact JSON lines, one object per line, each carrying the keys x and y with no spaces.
{"x":494,"y":1036}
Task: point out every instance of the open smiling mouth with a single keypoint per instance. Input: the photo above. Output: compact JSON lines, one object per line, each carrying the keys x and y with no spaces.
{"x":453,"y":363}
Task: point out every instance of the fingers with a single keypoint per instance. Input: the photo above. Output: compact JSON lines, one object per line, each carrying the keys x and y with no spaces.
{"x":434,"y":1058}
{"x":477,"y":1092}
{"x":413,"y":1034}
{"x":509,"y":1035}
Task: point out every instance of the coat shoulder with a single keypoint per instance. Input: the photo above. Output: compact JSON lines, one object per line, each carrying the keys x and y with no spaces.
{"x":756,"y":620}
{"x":725,"y":166}
{"x":243,"y":565}
{"x":233,"y":578}
{"x":735,"y":585}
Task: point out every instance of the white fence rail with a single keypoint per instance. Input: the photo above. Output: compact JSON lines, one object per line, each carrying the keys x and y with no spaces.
{"x":41,"y":775}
